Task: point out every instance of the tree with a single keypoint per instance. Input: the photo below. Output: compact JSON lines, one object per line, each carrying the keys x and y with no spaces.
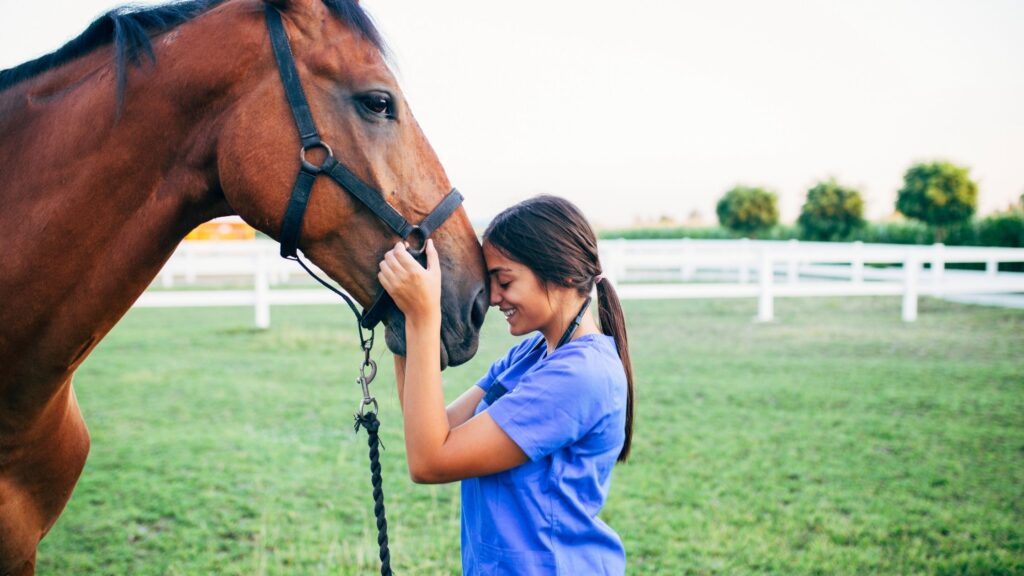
{"x":940,"y":194}
{"x":748,"y":210}
{"x":831,"y":212}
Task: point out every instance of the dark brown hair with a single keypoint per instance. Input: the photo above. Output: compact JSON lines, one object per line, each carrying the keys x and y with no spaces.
{"x":550,"y":236}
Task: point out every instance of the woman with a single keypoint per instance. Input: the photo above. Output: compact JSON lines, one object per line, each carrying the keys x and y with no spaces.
{"x":535,"y":440}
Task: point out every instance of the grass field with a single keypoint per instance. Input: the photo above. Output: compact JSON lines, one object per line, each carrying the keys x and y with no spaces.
{"x":836,"y":440}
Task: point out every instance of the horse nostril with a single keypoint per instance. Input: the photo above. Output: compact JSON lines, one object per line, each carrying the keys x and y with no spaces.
{"x":479,"y":308}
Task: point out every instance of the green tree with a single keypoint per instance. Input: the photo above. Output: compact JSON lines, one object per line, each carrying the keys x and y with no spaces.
{"x":940,"y":194}
{"x":831,"y":212}
{"x":748,"y":210}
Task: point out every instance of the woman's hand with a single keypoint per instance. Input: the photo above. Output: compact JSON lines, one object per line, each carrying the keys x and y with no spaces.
{"x":416,"y":290}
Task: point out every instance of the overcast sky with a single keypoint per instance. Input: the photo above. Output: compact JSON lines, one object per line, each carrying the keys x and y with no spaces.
{"x":647,"y":108}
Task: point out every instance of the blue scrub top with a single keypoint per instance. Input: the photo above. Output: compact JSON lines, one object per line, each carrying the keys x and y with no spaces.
{"x":567,"y":412}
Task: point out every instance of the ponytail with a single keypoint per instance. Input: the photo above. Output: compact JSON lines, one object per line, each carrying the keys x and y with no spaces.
{"x":613,"y":323}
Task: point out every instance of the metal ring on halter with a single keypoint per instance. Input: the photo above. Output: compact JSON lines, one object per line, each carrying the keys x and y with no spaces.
{"x":308,"y":166}
{"x":416,"y":251}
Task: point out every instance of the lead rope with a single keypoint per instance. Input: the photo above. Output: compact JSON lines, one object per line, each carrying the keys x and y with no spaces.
{"x":366,"y":419}
{"x":370,"y":422}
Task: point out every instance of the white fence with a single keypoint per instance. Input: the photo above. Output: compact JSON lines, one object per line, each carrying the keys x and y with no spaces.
{"x":645,"y":269}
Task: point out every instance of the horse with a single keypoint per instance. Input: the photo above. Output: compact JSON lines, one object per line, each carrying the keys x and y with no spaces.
{"x":152,"y":121}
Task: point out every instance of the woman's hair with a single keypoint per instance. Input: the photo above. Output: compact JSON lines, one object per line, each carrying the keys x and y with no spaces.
{"x":550,"y":236}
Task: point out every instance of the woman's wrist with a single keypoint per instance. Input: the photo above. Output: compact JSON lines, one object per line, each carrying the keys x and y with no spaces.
{"x":427,"y":322}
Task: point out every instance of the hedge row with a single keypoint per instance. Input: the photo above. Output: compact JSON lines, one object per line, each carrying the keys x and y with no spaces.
{"x":1001,"y":229}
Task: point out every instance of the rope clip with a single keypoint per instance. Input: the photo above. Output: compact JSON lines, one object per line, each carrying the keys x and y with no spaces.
{"x":364,"y":381}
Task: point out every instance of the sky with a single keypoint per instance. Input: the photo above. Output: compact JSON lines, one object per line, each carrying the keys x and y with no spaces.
{"x":647,"y":109}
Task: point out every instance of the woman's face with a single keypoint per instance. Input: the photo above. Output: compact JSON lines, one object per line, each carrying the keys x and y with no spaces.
{"x":519,"y":294}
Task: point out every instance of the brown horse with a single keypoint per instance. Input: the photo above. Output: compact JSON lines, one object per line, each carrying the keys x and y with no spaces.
{"x":151,"y":122}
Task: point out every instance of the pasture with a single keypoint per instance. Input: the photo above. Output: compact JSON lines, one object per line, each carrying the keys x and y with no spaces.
{"x":835,"y":440}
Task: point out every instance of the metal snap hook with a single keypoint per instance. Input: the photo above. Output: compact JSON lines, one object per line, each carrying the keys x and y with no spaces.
{"x":365,"y":403}
{"x":366,"y":379}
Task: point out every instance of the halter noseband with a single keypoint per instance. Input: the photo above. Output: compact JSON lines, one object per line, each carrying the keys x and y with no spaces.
{"x":372,"y":199}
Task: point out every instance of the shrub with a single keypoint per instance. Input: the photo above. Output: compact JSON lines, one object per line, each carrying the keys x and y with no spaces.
{"x":831,"y":212}
{"x":896,"y":233}
{"x":940,"y":194}
{"x":748,"y":211}
{"x":1002,"y":229}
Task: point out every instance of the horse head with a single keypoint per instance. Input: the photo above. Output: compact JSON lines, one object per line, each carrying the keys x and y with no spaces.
{"x":363,"y":117}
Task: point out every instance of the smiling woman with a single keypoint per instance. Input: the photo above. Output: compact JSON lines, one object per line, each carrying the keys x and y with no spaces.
{"x":107,"y":168}
{"x":535,"y":440}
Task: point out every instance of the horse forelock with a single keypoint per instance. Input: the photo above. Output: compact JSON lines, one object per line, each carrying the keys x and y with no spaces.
{"x":351,"y":12}
{"x":129,"y":29}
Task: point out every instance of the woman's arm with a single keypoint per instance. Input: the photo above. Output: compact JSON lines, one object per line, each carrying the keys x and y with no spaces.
{"x":462,"y":408}
{"x":436,"y":451}
{"x":458,"y":411}
{"x":400,"y":380}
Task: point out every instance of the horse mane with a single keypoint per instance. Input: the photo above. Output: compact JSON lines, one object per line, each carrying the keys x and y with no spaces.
{"x":129,"y":29}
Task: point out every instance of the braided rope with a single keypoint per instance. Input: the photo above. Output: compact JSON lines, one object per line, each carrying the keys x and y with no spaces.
{"x":372,"y":425}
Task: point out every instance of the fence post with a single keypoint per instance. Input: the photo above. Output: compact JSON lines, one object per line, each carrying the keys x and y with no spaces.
{"x":765,"y":303}
{"x":992,"y":267}
{"x":857,"y":274}
{"x":744,"y":269}
{"x":262,"y":289}
{"x":911,"y":267}
{"x":792,"y":273}
{"x":938,"y":266}
{"x":688,"y":268}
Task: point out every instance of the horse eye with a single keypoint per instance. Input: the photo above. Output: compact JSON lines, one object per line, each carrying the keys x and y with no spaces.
{"x":378,"y":103}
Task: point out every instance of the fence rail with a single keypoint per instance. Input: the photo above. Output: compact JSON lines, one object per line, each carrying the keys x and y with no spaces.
{"x":644,"y":269}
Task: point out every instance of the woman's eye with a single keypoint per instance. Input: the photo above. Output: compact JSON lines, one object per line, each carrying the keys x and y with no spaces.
{"x":504,"y":284}
{"x":378,"y":103}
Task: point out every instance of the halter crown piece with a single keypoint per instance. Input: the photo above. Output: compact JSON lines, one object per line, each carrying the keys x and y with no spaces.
{"x":331,"y":167}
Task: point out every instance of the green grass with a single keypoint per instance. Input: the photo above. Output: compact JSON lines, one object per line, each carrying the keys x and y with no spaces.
{"x":836,"y":440}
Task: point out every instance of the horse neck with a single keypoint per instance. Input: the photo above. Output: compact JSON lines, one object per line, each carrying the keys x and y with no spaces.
{"x":95,"y":204}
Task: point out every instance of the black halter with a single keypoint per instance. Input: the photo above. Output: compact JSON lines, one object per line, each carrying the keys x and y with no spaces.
{"x":337,"y":171}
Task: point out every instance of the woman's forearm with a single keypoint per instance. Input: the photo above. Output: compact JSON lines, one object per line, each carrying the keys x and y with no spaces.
{"x":426,"y":421}
{"x":400,"y":380}
{"x":453,"y":411}
{"x":458,"y":411}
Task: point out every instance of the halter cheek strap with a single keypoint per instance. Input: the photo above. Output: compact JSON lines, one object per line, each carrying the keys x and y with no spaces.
{"x":291,"y":226}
